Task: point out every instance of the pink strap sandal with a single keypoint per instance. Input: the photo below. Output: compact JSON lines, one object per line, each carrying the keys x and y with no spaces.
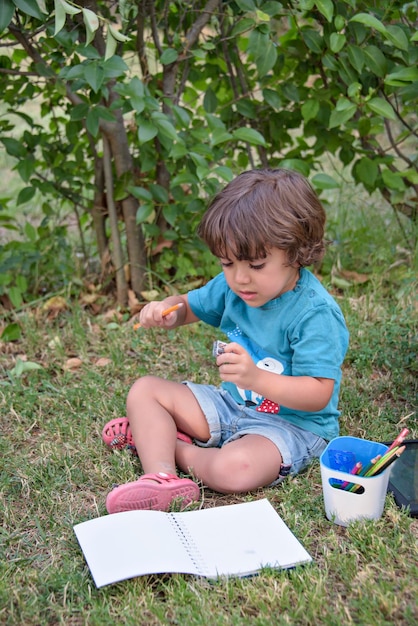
{"x":117,"y":435}
{"x":152,"y":491}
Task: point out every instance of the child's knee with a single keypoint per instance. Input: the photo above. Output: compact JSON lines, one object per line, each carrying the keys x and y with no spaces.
{"x":232,"y":470}
{"x":145,"y":386}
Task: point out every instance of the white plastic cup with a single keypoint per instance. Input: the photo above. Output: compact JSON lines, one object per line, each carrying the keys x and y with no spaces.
{"x":338,"y":458}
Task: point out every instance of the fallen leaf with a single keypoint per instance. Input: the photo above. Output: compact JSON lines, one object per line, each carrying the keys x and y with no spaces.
{"x":355,"y":276}
{"x":73,"y":364}
{"x":55,"y":342}
{"x":113,"y":314}
{"x":56,"y":303}
{"x":89,"y":298}
{"x":132,"y":299}
{"x":153,"y":294}
{"x":103,"y":361}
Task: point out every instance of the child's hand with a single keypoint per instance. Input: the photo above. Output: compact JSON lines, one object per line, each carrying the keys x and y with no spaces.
{"x":236,"y":366}
{"x":160,"y":313}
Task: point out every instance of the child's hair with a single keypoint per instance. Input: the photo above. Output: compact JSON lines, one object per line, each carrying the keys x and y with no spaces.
{"x":264,"y":209}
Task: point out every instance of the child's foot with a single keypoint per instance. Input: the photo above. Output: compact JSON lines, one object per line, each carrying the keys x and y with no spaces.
{"x":117,"y":435}
{"x":152,"y":491}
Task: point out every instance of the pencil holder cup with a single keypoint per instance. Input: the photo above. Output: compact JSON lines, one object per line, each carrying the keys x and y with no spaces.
{"x":366,"y":497}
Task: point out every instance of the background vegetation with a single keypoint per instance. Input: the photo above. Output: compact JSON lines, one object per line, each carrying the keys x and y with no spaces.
{"x":144,"y":109}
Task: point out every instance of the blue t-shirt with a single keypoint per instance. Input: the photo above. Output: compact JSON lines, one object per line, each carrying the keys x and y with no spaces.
{"x":300,"y":333}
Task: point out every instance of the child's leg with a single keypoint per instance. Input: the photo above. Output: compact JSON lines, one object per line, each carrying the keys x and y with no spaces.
{"x":242,"y":465}
{"x":156,"y":409}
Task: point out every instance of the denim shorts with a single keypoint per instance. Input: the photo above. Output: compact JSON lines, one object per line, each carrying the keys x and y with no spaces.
{"x":228,"y":421}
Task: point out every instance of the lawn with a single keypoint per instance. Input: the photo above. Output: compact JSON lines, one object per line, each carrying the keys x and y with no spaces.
{"x":55,"y":472}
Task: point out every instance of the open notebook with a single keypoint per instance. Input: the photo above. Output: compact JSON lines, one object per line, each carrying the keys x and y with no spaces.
{"x":234,"y":540}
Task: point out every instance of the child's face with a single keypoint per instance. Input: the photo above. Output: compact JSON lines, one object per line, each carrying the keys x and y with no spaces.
{"x":260,"y":281}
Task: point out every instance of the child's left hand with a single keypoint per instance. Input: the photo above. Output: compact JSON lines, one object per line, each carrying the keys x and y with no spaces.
{"x":236,"y":366}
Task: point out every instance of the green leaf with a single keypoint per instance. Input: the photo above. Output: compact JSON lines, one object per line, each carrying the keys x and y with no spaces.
{"x":94,"y":75}
{"x":272,"y":98}
{"x":30,"y":7}
{"x":246,"y":108}
{"x":224,"y":172}
{"x":219,"y":136}
{"x":91,"y":22}
{"x":370,"y":21}
{"x":249,"y":135}
{"x":402,"y":76}
{"x":164,"y":126}
{"x":266,"y":61}
{"x":313,"y":40}
{"x":143,"y":213}
{"x":7,"y":9}
{"x":26,"y":168}
{"x":310,"y":109}
{"x":326,"y":8}
{"x":246,"y":5}
{"x":242,"y":26}
{"x":146,"y":131}
{"x":393,"y":180}
{"x":30,"y":232}
{"x":111,"y":44}
{"x":170,"y":213}
{"x":42,"y":6}
{"x":115,"y":66}
{"x":356,"y":57}
{"x":396,"y":35}
{"x":70,"y":9}
{"x":60,"y":16}
{"x":297,"y":165}
{"x":381,"y":107}
{"x":79,"y":112}
{"x":365,"y":170}
{"x":15,"y":296}
{"x":339,"y":22}
{"x":337,"y":42}
{"x":22,"y":367}
{"x":159,"y":193}
{"x":12,"y":332}
{"x":13,"y":147}
{"x":25,"y":195}
{"x":93,"y":122}
{"x":210,"y":101}
{"x":323,"y":181}
{"x":116,"y":34}
{"x":140,"y":193}
{"x":375,"y":60}
{"x":169,"y":56}
{"x":343,"y":112}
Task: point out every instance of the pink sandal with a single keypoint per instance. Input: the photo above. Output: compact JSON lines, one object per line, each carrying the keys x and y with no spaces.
{"x":117,"y":435}
{"x":152,"y":491}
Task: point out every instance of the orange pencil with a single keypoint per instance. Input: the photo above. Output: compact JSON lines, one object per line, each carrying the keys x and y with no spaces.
{"x":166,"y":312}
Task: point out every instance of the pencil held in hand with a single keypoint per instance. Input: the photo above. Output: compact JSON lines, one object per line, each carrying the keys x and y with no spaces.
{"x":170,"y":309}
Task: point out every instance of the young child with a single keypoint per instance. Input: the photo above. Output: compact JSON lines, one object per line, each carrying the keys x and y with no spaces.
{"x":280,"y":367}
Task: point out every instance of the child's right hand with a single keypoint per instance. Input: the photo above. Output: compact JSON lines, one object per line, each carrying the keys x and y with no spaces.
{"x":159,"y":313}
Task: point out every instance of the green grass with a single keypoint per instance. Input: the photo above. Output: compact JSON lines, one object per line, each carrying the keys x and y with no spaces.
{"x":55,"y":472}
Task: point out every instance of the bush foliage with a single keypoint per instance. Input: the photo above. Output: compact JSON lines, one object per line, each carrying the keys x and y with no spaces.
{"x":144,"y":113}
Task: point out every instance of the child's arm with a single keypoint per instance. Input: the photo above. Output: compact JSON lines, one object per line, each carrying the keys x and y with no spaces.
{"x":156,"y":313}
{"x":302,"y":393}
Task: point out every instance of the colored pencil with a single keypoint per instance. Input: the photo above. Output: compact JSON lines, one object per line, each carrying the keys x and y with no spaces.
{"x":399,"y":439}
{"x":383,"y":465}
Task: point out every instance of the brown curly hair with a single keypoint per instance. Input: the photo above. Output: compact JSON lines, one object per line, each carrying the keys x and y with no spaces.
{"x":264,"y":209}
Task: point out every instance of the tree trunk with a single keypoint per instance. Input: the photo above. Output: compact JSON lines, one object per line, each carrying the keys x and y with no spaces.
{"x":118,"y":141}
